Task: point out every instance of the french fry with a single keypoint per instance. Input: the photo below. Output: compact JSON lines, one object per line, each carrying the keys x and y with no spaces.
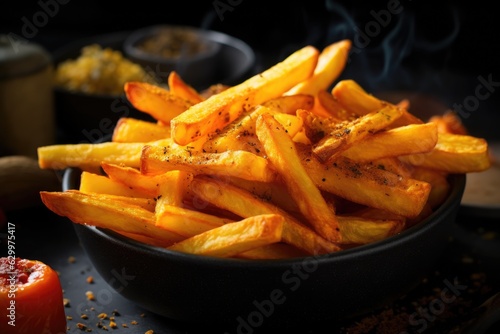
{"x":180,"y":88}
{"x":156,"y":101}
{"x":221,"y":109}
{"x":455,"y":154}
{"x":367,"y":184}
{"x":131,"y":130}
{"x":348,"y":133}
{"x":157,"y":160}
{"x":288,"y":104}
{"x":280,"y":150}
{"x":331,"y":62}
{"x":331,"y":107}
{"x":360,"y":230}
{"x":145,"y":203}
{"x":90,"y":156}
{"x":440,"y":187}
{"x":187,"y":222}
{"x":279,"y":250}
{"x":101,"y":184}
{"x":244,"y":204}
{"x":234,"y":238}
{"x":356,"y":100}
{"x":395,"y":142}
{"x":83,"y":209}
{"x":449,"y":122}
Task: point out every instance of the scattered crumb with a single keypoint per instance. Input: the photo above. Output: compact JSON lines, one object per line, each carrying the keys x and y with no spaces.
{"x":116,"y":313}
{"x":124,"y":325}
{"x":149,"y":332}
{"x":84,"y":316}
{"x":143,"y":315}
{"x":112,"y":324}
{"x":81,"y":326}
{"x":69,"y":317}
{"x":102,"y":316}
{"x":90,"y":295}
{"x":133,"y":322}
{"x":71,"y":259}
{"x":90,"y":279}
{"x":66,"y":302}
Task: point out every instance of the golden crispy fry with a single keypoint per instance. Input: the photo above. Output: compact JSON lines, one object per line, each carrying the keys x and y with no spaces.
{"x":90,"y":156}
{"x":187,"y":222}
{"x":156,"y":101}
{"x":346,"y":134}
{"x":360,"y":230}
{"x":157,"y":160}
{"x":395,"y":142}
{"x":221,"y":109}
{"x":101,"y":184}
{"x":234,"y":238}
{"x":131,"y":130}
{"x":455,"y":154}
{"x":331,"y":107}
{"x":367,"y":184}
{"x":244,"y":204}
{"x":134,"y":180}
{"x":288,"y":104}
{"x":180,"y":88}
{"x":281,"y":151}
{"x":83,"y":209}
{"x":331,"y":63}
{"x":145,"y":203}
{"x":449,"y":122}
{"x":356,"y":100}
{"x":439,"y":182}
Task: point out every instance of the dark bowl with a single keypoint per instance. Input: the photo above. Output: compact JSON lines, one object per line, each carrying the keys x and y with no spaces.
{"x":331,"y":287}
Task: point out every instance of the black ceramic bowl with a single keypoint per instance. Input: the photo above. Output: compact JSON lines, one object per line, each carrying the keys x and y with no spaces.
{"x":296,"y":291}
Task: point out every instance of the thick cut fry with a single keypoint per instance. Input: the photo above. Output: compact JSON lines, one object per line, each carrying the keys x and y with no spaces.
{"x":85,"y":155}
{"x":145,"y":203}
{"x":131,"y":130}
{"x":156,"y":101}
{"x":83,"y":209}
{"x":281,"y":151}
{"x":449,"y":122}
{"x":288,"y":104}
{"x":359,"y":230}
{"x":439,"y":182}
{"x":395,"y":142}
{"x":245,"y":204}
{"x":331,"y":63}
{"x":356,"y":100}
{"x":331,"y":107}
{"x":455,"y":154}
{"x":97,"y":183}
{"x":347,"y":133}
{"x":180,"y":88}
{"x":234,"y":238}
{"x":221,"y":109}
{"x":187,"y":222}
{"x":157,"y":160}
{"x":367,"y":184}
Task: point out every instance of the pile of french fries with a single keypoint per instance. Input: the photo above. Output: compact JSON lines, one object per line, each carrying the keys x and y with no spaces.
{"x":278,"y":166}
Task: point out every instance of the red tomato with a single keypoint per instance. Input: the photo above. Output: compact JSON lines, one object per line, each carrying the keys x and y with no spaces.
{"x":31,"y":298}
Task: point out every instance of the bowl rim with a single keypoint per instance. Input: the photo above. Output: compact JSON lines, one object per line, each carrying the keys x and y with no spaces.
{"x":131,"y":50}
{"x":457,"y":182}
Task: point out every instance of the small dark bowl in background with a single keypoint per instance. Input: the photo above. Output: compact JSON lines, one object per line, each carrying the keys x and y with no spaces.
{"x":90,"y":117}
{"x":293,"y":292}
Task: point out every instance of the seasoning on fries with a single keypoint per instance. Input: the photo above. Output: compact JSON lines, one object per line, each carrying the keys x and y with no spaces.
{"x":290,"y":162}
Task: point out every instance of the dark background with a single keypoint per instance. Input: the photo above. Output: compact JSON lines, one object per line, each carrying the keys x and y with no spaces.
{"x":438,"y":48}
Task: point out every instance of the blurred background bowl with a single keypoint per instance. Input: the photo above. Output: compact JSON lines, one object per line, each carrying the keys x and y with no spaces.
{"x":85,"y":117}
